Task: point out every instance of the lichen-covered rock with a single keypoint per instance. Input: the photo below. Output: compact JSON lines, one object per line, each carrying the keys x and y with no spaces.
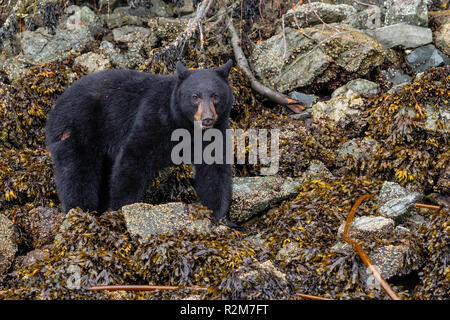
{"x":144,"y":220}
{"x":414,"y":12}
{"x":93,"y":62}
{"x":39,"y":46}
{"x":401,"y":34}
{"x":337,"y":109}
{"x":359,"y":149}
{"x":8,"y":245}
{"x":368,"y":227}
{"x":350,"y":51}
{"x":357,"y":88}
{"x":309,"y":14}
{"x":253,"y":195}
{"x":395,"y":202}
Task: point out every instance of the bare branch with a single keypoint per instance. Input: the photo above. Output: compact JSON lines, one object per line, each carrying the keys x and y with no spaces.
{"x":273,"y":95}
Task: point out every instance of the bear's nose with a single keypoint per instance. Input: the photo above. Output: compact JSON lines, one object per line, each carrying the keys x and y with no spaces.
{"x":207,"y":123}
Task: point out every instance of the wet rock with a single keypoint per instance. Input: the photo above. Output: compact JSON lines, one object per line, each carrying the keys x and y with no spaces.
{"x":403,"y":35}
{"x":254,"y":195}
{"x":93,"y":62}
{"x":357,"y":88}
{"x":42,"y":224}
{"x":426,"y":57}
{"x":13,"y":67}
{"x":112,"y":54}
{"x":395,"y":202}
{"x":360,"y":149}
{"x":310,"y":14}
{"x":8,"y":245}
{"x":40,"y":47}
{"x":413,"y":12}
{"x":368,"y":227}
{"x":352,"y":51}
{"x":144,"y":220}
{"x":337,"y":109}
{"x":256,"y":280}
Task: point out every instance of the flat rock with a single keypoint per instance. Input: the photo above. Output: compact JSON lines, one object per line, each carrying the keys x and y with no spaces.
{"x":402,"y":35}
{"x":426,"y":57}
{"x":144,"y":220}
{"x":364,"y":227}
{"x":254,"y":195}
{"x":8,"y":245}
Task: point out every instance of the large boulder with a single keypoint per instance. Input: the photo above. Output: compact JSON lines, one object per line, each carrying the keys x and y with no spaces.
{"x":401,"y":35}
{"x":409,"y":11}
{"x":303,"y":62}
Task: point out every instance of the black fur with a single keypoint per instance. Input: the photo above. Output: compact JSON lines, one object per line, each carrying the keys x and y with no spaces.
{"x":109,"y":134}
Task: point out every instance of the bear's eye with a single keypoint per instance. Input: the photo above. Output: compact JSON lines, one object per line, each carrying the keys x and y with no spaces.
{"x":195,"y":98}
{"x":215,"y":98}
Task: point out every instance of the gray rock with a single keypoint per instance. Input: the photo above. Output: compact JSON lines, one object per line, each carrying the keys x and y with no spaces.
{"x":394,"y":201}
{"x":337,"y":109}
{"x":308,"y":14}
{"x":80,"y":15}
{"x":413,"y":12}
{"x":13,"y":67}
{"x":40,"y":47}
{"x":396,"y":77}
{"x":186,"y":8}
{"x":307,"y":99}
{"x":254,"y":195}
{"x":93,"y":62}
{"x":357,"y":88}
{"x":112,"y":54}
{"x":301,"y":66}
{"x":144,"y":220}
{"x":426,"y":57}
{"x":368,"y":227}
{"x":119,"y":19}
{"x":8,"y":245}
{"x":403,"y":35}
{"x":369,"y":18}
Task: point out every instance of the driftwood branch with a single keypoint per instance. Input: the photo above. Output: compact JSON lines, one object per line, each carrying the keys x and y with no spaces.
{"x":242,"y":63}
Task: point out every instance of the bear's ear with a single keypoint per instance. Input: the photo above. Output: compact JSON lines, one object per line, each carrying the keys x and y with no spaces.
{"x":224,"y":70}
{"x":182,"y":71}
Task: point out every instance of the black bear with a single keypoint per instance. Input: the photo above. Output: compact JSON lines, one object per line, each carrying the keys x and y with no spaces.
{"x":110,"y":133}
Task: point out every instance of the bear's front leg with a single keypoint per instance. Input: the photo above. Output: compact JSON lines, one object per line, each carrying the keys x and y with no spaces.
{"x":213,"y":186}
{"x":129,"y":177}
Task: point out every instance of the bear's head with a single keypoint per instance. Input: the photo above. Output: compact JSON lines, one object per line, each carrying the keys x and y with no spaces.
{"x":202,"y":95}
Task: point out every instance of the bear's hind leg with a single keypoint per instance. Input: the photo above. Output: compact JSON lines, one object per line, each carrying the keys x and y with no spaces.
{"x":77,"y":175}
